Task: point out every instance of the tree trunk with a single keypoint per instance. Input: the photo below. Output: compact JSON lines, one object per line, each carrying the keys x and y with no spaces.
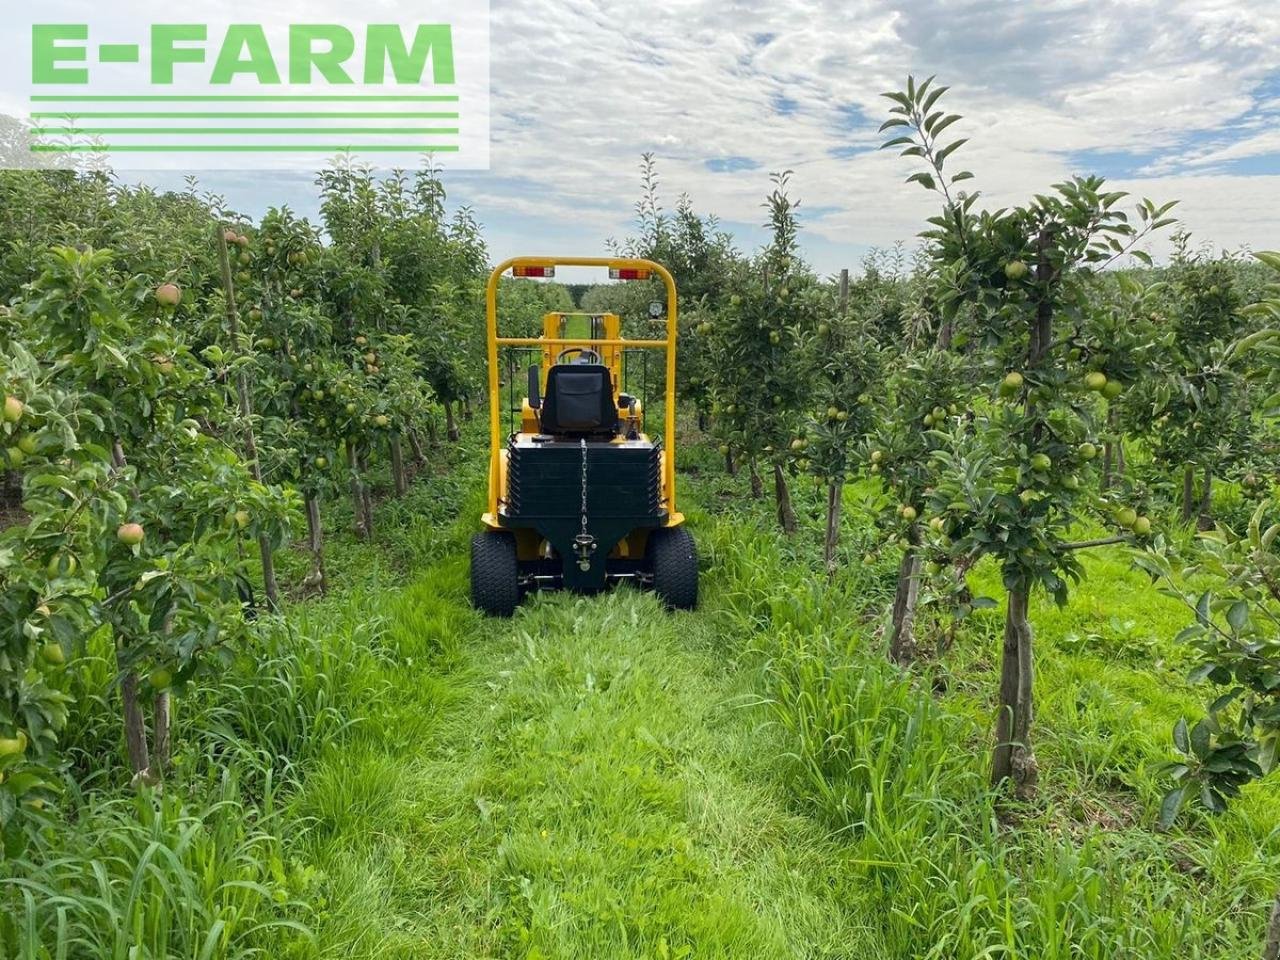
{"x":702,"y":421}
{"x":315,"y":543}
{"x":730,"y":465}
{"x":270,"y":586}
{"x":415,"y":444}
{"x":1188,"y":492}
{"x":835,"y":500}
{"x":757,"y":485}
{"x":1120,"y":466}
{"x":946,"y":334}
{"x":135,"y":725}
{"x":11,"y":491}
{"x":1205,"y":520}
{"x":902,"y":640}
{"x":451,"y":425}
{"x":398,"y":474}
{"x":246,"y":410}
{"x":366,"y":490}
{"x":1014,"y":758}
{"x":786,"y":514}
{"x":363,"y":529}
{"x":466,"y":408}
{"x":1107,"y":457}
{"x":163,"y":732}
{"x":964,"y":595}
{"x":1271,"y":947}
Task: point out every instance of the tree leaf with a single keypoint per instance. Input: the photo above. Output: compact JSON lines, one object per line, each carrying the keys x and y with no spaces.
{"x":1238,"y":615}
{"x":1170,"y":806}
{"x":1212,"y":799}
{"x":930,"y":100}
{"x":950,"y":149}
{"x":1200,"y":735}
{"x":943,"y":124}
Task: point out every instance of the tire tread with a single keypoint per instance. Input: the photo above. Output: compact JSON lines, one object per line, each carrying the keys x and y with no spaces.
{"x":495,"y":578}
{"x":673,"y":556}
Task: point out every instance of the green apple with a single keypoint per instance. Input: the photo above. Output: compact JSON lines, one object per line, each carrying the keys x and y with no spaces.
{"x":130,"y":534}
{"x":168,"y":295}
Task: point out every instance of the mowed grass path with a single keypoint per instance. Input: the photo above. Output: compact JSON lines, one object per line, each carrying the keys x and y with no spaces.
{"x":591,"y":779}
{"x":598,"y":778}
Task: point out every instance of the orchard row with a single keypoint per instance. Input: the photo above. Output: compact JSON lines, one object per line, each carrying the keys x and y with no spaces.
{"x":179,"y":384}
{"x":995,"y":388}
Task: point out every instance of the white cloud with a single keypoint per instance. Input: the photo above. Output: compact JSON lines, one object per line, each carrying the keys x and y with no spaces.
{"x":1047,"y":87}
{"x":580,"y":90}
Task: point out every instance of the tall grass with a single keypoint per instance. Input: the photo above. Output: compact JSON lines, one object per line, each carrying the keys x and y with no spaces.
{"x":214,"y":864}
{"x":897,"y":771}
{"x":387,"y":774}
{"x":151,"y":877}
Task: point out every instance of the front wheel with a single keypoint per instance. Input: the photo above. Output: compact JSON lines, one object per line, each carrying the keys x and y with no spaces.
{"x":673,"y":560}
{"x":495,"y":578}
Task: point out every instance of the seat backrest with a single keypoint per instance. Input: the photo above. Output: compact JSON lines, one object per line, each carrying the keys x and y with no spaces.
{"x":579,"y":399}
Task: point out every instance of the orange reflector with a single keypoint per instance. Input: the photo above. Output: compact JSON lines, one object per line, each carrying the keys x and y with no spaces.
{"x":628,"y":273}
{"x":533,"y":271}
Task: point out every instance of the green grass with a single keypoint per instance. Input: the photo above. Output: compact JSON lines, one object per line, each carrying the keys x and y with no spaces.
{"x":597,"y":778}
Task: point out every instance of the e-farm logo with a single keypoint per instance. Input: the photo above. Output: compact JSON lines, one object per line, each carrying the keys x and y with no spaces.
{"x":252,"y":95}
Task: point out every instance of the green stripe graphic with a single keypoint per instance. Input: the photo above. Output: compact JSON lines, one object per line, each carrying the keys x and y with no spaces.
{"x":246,"y":148}
{"x":73,"y":113}
{"x":244,"y":98}
{"x":266,"y":115}
{"x":225,"y":131}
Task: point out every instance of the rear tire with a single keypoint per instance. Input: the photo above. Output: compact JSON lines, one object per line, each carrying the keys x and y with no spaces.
{"x":673,"y":559}
{"x":495,"y":578}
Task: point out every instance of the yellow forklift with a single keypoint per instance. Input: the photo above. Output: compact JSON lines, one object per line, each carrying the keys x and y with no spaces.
{"x":580,"y":496}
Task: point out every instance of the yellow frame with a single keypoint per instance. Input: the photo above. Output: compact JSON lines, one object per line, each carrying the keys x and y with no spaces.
{"x":495,"y":341}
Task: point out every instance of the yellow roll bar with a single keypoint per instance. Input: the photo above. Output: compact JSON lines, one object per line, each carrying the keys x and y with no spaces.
{"x":495,"y":341}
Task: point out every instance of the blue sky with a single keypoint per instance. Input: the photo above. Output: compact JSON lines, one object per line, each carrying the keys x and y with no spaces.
{"x":1172,"y":99}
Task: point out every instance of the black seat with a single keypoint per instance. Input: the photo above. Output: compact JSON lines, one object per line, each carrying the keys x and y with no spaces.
{"x":579,"y":399}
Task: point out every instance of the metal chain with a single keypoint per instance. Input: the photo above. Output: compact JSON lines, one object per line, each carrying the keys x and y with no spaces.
{"x":584,"y":544}
{"x":584,"y":487}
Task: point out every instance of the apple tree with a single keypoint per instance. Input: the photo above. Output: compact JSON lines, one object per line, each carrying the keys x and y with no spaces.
{"x":1236,"y":634}
{"x":925,"y":397}
{"x":847,"y":360}
{"x":47,"y":591}
{"x":761,"y":382}
{"x":166,"y":551}
{"x":1197,"y":414}
{"x":1011,"y":484}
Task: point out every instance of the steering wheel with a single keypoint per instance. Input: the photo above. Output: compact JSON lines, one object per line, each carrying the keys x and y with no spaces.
{"x":583,"y":354}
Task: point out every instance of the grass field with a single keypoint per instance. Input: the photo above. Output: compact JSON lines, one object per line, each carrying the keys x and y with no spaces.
{"x":398,"y":777}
